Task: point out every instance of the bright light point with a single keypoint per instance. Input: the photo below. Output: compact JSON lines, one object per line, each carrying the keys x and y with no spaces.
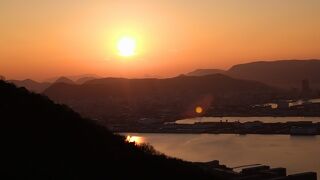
{"x":126,"y":46}
{"x":199,"y":110}
{"x":134,"y":139}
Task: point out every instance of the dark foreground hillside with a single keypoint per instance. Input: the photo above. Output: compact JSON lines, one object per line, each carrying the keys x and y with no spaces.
{"x":42,"y":140}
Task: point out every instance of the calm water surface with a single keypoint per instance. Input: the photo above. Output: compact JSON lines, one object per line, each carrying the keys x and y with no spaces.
{"x":296,"y":153}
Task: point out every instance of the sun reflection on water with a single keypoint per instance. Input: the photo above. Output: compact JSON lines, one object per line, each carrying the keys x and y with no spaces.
{"x":135,"y":139}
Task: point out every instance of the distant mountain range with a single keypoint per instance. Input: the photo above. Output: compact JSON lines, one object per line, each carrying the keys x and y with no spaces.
{"x":74,"y":78}
{"x":64,"y":80}
{"x":204,"y":72}
{"x":284,"y":73}
{"x":39,"y":87}
{"x":85,"y":79}
{"x":119,"y":98}
{"x":2,"y":78}
{"x":31,"y":85}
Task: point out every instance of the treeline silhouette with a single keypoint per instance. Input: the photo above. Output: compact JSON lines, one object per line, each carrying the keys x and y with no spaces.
{"x":44,"y":140}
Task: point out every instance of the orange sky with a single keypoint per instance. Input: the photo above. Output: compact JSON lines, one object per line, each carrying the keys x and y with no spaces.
{"x":40,"y":39}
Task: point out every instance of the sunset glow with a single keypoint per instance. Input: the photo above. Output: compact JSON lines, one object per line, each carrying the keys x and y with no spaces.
{"x":44,"y":39}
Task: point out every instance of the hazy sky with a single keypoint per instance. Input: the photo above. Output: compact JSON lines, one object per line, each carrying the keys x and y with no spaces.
{"x":45,"y":38}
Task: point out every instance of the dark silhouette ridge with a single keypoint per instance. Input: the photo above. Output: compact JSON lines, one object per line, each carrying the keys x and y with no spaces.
{"x":39,"y":87}
{"x":127,"y":99}
{"x":85,"y":79}
{"x":288,"y":73}
{"x":282,"y":73}
{"x":31,"y":85}
{"x":43,"y":140}
{"x":64,"y":80}
{"x":2,"y":78}
{"x":204,"y":72}
{"x":74,"y":78}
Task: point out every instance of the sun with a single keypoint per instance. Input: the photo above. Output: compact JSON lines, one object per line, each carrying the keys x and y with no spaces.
{"x":126,"y":46}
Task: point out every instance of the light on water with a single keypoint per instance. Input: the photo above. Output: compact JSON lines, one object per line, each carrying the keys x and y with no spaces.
{"x":296,"y":153}
{"x":135,"y":139}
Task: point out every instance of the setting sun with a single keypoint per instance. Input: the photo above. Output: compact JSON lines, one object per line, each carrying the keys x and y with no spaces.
{"x":126,"y":46}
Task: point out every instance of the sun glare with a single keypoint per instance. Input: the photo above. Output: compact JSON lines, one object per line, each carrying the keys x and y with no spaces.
{"x":126,"y":46}
{"x":199,"y":109}
{"x":134,"y":139}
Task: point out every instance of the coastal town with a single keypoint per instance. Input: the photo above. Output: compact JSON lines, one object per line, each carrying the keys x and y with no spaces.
{"x":254,"y":127}
{"x":253,"y":172}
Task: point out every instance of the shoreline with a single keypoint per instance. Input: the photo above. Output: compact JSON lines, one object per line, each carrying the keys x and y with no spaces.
{"x":154,"y":132}
{"x":301,"y":128}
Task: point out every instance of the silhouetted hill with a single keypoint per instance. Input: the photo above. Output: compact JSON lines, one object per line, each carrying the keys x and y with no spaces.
{"x":85,"y":79}
{"x":39,"y":87}
{"x":64,"y":80}
{"x":31,"y":85}
{"x":154,"y":98}
{"x":42,"y":140}
{"x":73,"y":78}
{"x":2,"y":78}
{"x":286,"y":73}
{"x":283,"y":73}
{"x":204,"y":72}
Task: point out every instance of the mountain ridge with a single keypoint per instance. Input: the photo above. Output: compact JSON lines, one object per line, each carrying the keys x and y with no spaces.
{"x":31,"y":85}
{"x":281,"y":73}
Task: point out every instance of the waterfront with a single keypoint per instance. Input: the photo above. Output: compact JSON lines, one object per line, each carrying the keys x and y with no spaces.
{"x":296,"y":153}
{"x":248,"y":119}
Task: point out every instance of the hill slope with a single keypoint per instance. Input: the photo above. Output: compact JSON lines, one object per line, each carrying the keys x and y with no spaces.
{"x":64,"y":80}
{"x":31,"y":85}
{"x":73,"y":78}
{"x":204,"y":72}
{"x":286,"y":73}
{"x":85,"y":79}
{"x":42,"y":140}
{"x":283,"y":73}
